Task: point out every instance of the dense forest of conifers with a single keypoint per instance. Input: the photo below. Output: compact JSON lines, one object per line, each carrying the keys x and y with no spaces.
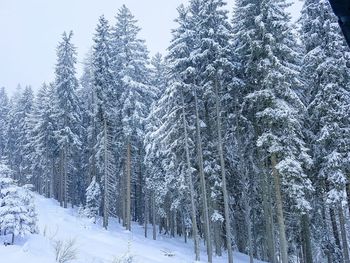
{"x":239,"y":137}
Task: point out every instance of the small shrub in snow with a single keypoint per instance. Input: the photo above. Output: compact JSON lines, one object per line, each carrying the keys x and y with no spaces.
{"x":93,"y":200}
{"x":17,"y":211}
{"x":127,"y":258}
{"x":65,"y":250}
{"x":50,"y":234}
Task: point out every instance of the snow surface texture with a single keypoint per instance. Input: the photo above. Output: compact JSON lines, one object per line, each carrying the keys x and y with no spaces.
{"x":95,"y":244}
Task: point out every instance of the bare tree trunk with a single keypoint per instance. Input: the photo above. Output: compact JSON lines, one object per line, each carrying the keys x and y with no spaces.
{"x":203,"y":185}
{"x":270,"y":224}
{"x":248,"y":222}
{"x":324,"y":225}
{"x":47,"y":177}
{"x":348,"y":193}
{"x":223,"y":173}
{"x":146,"y":213}
{"x":123,"y":195}
{"x":172,"y":222}
{"x":334,"y":227}
{"x":141,"y":183}
{"x":279,"y":206}
{"x":128,"y":186}
{"x":217,"y":234}
{"x":154,"y":218}
{"x":306,"y":238}
{"x":184,"y":230}
{"x":266,"y":195}
{"x":52,"y":182}
{"x":61,"y":179}
{"x":343,"y":234}
{"x":105,"y":198}
{"x":190,"y":183}
{"x":66,"y":183}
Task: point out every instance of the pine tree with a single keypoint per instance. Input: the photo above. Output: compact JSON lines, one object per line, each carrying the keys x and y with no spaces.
{"x":213,"y":58}
{"x":87,"y":96}
{"x":105,"y":108}
{"x":67,"y":117}
{"x":42,"y":141}
{"x":326,"y":77}
{"x":130,"y":60}
{"x":17,"y":130}
{"x":4,"y":115}
{"x":183,"y":70}
{"x":158,"y":75}
{"x":271,"y":104}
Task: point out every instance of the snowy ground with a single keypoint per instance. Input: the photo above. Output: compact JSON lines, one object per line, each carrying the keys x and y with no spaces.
{"x":93,"y":243}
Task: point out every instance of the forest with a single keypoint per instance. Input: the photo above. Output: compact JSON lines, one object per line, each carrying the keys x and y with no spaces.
{"x":238,"y":136}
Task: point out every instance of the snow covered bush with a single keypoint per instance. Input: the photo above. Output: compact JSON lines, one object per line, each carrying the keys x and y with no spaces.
{"x":17,"y":211}
{"x":93,"y":199}
{"x":127,"y":258}
{"x":65,"y":250}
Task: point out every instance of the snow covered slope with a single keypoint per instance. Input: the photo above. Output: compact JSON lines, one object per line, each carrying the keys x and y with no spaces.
{"x":93,"y":243}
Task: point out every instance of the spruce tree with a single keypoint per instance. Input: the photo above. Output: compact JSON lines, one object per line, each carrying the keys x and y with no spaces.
{"x":42,"y":141}
{"x":326,"y":75}
{"x":67,"y":116}
{"x":130,"y":60}
{"x":93,"y":199}
{"x":105,"y":110}
{"x":270,"y":61}
{"x":4,"y":111}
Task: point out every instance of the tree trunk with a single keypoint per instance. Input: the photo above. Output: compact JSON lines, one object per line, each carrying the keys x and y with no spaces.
{"x":47,"y":176}
{"x":268,"y":220}
{"x":248,"y":222}
{"x":154,"y":218}
{"x":172,"y":223}
{"x":217,"y":238}
{"x":348,"y":194}
{"x":123,"y":196}
{"x":105,"y":198}
{"x":343,"y":234}
{"x":65,"y":192}
{"x":334,"y":227}
{"x":146,"y":213}
{"x":52,"y":182}
{"x":61,"y":180}
{"x":223,"y":174}
{"x":190,"y":183}
{"x":279,"y":207}
{"x":184,"y":230}
{"x":128,"y":186}
{"x":306,"y":238}
{"x":203,"y":184}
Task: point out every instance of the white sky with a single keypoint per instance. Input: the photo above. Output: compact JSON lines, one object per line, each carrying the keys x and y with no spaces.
{"x":30,"y":31}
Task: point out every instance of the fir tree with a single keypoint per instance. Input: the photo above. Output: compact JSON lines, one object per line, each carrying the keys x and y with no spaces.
{"x":326,"y":75}
{"x":67,"y":117}
{"x":42,"y":141}
{"x":130,"y":60}
{"x":4,"y":115}
{"x":271,"y":104}
{"x":93,"y":199}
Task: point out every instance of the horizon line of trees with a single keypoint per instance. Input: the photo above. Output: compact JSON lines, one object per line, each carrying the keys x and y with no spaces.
{"x":238,"y":137}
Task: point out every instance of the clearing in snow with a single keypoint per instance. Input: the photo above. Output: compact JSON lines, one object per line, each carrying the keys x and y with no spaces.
{"x":93,"y":243}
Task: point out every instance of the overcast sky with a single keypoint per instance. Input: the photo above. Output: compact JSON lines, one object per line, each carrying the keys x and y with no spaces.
{"x":31,"y":29}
